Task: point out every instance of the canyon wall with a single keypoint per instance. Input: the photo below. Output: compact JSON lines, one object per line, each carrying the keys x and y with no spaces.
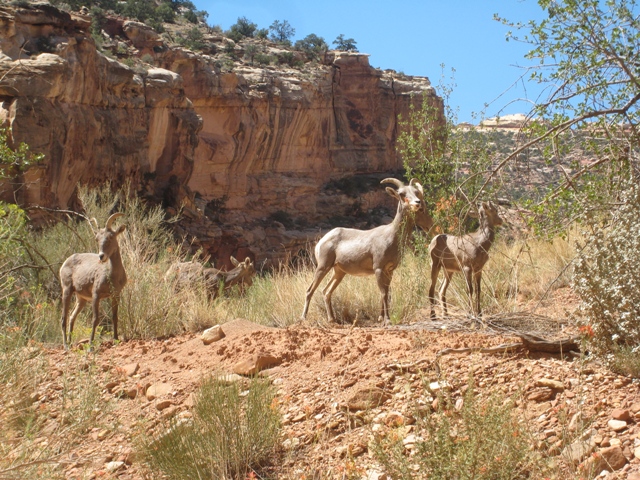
{"x":258,"y":160}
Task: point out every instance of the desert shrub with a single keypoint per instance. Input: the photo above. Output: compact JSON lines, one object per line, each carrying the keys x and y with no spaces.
{"x":147,"y":58}
{"x":193,"y":39}
{"x":482,"y":439}
{"x":250,"y":52}
{"x":607,"y":280}
{"x":263,"y":59}
{"x":230,"y":434}
{"x":191,"y":16}
{"x":289,"y":58}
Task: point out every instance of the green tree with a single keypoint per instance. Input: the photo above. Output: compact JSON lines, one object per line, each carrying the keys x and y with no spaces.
{"x":97,"y":22}
{"x":15,"y":160}
{"x":262,"y":33}
{"x":345,"y":44}
{"x":281,"y":32}
{"x":450,"y":162}
{"x":139,"y":9}
{"x":165,"y":13}
{"x":242,"y":28}
{"x":312,"y":45}
{"x":587,"y":55}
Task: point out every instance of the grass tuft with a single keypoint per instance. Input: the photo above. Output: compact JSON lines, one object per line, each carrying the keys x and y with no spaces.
{"x":481,"y":439}
{"x":231,"y":434}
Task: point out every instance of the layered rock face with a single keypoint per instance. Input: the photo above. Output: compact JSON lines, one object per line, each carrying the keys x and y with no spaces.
{"x":272,"y":138}
{"x":264,"y":158}
{"x":93,"y":117}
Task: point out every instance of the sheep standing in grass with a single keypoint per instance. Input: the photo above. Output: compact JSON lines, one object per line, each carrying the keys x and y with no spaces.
{"x":93,"y":277}
{"x":370,"y":252}
{"x":467,"y":254}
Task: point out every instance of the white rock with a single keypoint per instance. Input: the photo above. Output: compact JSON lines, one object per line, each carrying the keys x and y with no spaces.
{"x":212,"y":334}
{"x":113,"y":466}
{"x":617,"y":425}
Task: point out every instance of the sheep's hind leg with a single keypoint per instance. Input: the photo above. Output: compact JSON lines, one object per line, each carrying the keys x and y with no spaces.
{"x":338,"y":275}
{"x":443,"y":291}
{"x":317,"y":278}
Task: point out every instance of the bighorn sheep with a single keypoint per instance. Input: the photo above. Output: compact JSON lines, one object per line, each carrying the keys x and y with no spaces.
{"x":186,"y":273}
{"x":93,"y":277}
{"x":368,"y":252}
{"x":467,"y":254}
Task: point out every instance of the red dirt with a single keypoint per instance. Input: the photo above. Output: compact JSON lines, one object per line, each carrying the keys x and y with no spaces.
{"x":320,"y":370}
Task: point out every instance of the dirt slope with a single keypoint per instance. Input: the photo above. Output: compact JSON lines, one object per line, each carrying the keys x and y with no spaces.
{"x":320,"y":374}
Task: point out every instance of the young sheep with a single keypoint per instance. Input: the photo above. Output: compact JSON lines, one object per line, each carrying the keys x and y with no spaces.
{"x":185,"y":274}
{"x":467,"y":254}
{"x":93,"y":277}
{"x":370,"y":252}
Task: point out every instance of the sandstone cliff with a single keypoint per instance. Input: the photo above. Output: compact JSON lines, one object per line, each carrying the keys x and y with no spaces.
{"x":264,"y":157}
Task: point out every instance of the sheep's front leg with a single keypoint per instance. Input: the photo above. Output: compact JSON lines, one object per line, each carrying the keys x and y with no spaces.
{"x":384,"y":281}
{"x":81,"y":302}
{"x":66,"y":300}
{"x":435,"y":271}
{"x":95,"y":303}
{"x":477,"y":277}
{"x":114,"y":310}
{"x":468,"y":277}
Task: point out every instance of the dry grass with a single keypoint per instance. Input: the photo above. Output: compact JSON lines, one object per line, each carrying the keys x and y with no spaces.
{"x":518,"y":276}
{"x":34,"y":434}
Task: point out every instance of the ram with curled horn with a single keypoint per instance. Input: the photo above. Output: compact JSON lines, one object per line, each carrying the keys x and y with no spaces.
{"x":93,"y":277}
{"x":370,"y":252}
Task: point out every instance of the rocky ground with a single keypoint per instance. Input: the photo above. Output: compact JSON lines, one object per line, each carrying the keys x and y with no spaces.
{"x":326,"y":379}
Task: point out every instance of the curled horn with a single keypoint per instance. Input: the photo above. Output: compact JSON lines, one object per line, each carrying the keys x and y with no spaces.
{"x":111,"y":219}
{"x":395,"y":181}
{"x":418,"y":185}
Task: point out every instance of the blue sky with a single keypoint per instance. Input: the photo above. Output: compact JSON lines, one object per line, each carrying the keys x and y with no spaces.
{"x":415,"y":37}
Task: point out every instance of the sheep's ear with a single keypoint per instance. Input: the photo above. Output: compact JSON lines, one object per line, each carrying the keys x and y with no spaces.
{"x":485,"y":205}
{"x":247,"y":261}
{"x":234,"y":261}
{"x":393,"y":193}
{"x":121,"y":229}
